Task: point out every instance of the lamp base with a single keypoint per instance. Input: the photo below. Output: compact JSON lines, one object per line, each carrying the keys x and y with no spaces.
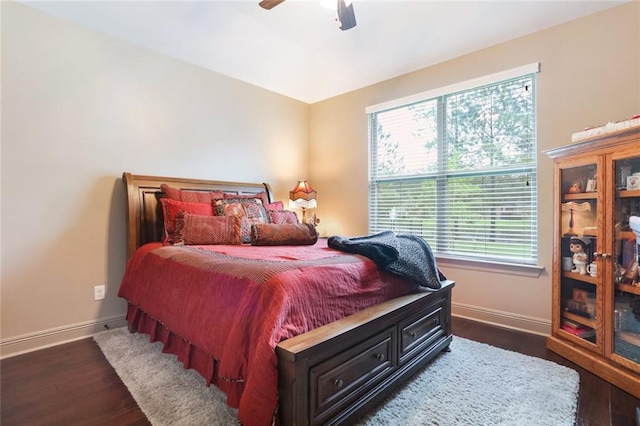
{"x":312,"y":220}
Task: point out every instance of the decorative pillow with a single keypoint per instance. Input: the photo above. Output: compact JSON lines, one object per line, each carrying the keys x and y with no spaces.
{"x":276,"y":205}
{"x":282,"y":216}
{"x":190,"y":196}
{"x":248,"y":210}
{"x":262,"y":196}
{"x":171,"y":208}
{"x":196,"y":229}
{"x":286,"y":234}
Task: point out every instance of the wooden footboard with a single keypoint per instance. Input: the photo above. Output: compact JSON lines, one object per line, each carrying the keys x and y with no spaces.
{"x":336,"y":373}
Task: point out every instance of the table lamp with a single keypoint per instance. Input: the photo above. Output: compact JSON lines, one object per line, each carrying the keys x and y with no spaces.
{"x":303,"y":197}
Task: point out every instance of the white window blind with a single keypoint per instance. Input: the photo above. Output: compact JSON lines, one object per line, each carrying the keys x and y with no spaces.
{"x":459,"y":169}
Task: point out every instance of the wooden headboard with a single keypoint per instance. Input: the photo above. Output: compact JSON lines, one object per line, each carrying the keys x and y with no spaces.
{"x":144,"y":216}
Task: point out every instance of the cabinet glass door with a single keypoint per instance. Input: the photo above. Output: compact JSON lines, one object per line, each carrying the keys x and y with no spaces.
{"x":579,"y":289}
{"x":626,"y":279}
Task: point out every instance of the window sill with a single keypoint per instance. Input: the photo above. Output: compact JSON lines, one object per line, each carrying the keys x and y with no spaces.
{"x":531,"y":271}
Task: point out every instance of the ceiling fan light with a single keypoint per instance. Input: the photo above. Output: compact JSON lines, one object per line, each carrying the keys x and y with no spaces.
{"x":346,"y":17}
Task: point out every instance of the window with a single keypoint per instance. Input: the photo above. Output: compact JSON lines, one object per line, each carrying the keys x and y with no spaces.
{"x":458,"y":167}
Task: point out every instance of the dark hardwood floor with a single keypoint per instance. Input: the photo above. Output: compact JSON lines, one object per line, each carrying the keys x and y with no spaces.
{"x":73,"y":384}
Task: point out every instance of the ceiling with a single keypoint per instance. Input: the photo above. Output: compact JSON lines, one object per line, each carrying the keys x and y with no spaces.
{"x":297,"y":49}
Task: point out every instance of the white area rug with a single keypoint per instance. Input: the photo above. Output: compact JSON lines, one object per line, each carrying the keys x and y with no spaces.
{"x":474,"y":384}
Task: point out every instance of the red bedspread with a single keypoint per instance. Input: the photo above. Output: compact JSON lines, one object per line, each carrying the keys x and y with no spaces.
{"x":234,"y":304}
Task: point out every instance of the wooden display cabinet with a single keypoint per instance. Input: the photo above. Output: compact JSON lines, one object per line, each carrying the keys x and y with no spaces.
{"x":596,"y":314}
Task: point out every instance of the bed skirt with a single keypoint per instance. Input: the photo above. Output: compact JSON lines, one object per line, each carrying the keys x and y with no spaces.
{"x":187,"y":353}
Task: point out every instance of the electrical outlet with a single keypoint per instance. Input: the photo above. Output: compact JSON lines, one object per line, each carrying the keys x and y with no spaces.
{"x":98,"y":292}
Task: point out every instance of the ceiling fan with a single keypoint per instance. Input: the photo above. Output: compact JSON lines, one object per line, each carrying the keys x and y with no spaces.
{"x":346,"y":17}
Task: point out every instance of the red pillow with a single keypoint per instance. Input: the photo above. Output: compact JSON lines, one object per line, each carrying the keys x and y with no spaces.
{"x":282,"y":216}
{"x":288,"y":234}
{"x":171,"y":208}
{"x":196,"y":229}
{"x":276,"y":205}
{"x":190,"y":196}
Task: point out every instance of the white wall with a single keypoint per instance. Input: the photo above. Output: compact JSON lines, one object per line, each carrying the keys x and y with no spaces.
{"x":80,"y":108}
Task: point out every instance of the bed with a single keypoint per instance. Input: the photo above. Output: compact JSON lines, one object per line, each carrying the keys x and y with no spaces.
{"x":328,"y":366}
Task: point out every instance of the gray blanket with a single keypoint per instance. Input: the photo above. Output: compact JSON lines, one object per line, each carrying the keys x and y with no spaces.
{"x":406,"y":255}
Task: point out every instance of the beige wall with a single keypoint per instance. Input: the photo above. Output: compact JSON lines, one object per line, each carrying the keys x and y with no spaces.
{"x":590,"y":75}
{"x":80,"y":108}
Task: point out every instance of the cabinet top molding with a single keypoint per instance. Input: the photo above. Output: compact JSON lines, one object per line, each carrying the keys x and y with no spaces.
{"x":596,"y":144}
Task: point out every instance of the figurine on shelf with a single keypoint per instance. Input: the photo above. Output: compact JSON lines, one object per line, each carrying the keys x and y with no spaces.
{"x":575,"y":187}
{"x":578,"y":246}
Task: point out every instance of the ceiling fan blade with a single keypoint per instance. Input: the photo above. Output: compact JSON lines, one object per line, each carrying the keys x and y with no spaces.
{"x":269,"y":4}
{"x":346,"y":16}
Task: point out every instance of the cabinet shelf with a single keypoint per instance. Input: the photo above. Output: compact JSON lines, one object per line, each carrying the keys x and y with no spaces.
{"x":634,"y":289}
{"x":582,"y":196}
{"x":627,"y":193}
{"x":626,"y":336}
{"x":579,"y":319}
{"x":627,"y":235}
{"x":584,"y":278}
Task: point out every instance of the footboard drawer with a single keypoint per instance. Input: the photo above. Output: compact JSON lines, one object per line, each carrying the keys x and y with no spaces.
{"x":424,"y":329}
{"x":334,"y":374}
{"x":340,"y":380}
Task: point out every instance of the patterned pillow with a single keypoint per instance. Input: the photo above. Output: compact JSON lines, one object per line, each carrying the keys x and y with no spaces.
{"x":276,"y":205}
{"x":190,"y":196}
{"x":248,"y":210}
{"x":282,"y":216}
{"x":171,"y":208}
{"x":196,"y":229}
{"x":286,"y":234}
{"x":262,"y":196}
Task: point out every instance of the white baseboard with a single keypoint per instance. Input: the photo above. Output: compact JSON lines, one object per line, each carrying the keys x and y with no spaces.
{"x":56,"y":336}
{"x":502,"y":319}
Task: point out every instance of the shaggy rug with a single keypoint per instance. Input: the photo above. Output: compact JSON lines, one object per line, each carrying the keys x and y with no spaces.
{"x":474,"y":384}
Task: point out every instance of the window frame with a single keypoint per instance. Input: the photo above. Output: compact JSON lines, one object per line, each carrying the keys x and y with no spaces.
{"x":481,"y":262}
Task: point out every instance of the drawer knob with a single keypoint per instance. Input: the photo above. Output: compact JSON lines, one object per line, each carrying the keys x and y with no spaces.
{"x":379,"y":357}
{"x":413,"y":335}
{"x":436,"y":321}
{"x":339,"y":383}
